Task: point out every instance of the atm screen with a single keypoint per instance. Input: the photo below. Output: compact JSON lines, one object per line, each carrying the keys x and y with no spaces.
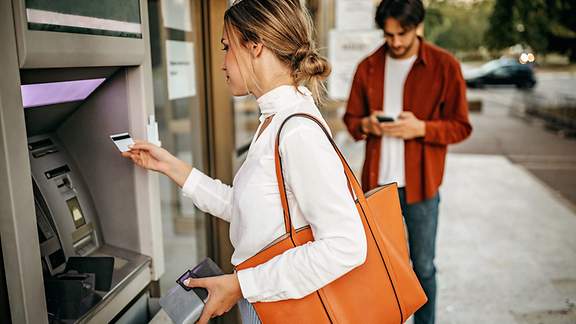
{"x":76,"y":212}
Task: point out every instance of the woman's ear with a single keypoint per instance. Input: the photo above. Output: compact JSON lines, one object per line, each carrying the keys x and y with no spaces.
{"x":255,"y":49}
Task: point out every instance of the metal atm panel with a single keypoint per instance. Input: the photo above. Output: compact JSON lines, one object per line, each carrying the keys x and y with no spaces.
{"x":68,"y":202}
{"x":82,"y":191}
{"x":126,"y":219}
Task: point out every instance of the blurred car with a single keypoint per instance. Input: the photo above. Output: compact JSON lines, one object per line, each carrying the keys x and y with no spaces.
{"x":501,"y":72}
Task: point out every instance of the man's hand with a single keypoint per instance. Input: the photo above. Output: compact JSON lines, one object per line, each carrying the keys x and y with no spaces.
{"x":370,"y":125}
{"x":406,"y":127}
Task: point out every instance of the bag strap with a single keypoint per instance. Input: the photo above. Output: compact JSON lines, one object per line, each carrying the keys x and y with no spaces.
{"x":353,"y":184}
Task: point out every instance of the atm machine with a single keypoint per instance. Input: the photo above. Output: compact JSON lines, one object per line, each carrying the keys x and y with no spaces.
{"x":80,"y":226}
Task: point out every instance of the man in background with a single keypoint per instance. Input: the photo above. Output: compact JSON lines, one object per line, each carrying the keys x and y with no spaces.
{"x":421,"y":89}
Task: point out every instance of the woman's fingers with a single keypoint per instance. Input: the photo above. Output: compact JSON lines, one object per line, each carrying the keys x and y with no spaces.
{"x":206,"y":315}
{"x":209,"y":310}
{"x":197,"y":283}
{"x":155,"y":152}
{"x":145,"y":146}
{"x":136,"y":159}
{"x":223,"y":293}
{"x":139,"y":145}
{"x":146,"y":155}
{"x":132,"y":156}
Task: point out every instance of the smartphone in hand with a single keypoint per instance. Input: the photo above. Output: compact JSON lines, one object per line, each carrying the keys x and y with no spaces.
{"x":384,"y":119}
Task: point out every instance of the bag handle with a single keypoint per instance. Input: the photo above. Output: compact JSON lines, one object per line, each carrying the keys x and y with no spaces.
{"x":353,"y":184}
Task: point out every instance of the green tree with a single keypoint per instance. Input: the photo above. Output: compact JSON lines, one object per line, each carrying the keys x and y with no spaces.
{"x":457,"y":25}
{"x":544,"y":25}
{"x":501,"y":31}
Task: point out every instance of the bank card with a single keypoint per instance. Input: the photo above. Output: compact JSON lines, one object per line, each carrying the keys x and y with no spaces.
{"x":122,"y":141}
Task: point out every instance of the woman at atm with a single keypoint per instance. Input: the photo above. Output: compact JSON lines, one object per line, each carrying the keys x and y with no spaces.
{"x":269,"y":53}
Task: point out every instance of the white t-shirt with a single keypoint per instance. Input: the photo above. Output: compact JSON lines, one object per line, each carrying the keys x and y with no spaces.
{"x":392,"y":152}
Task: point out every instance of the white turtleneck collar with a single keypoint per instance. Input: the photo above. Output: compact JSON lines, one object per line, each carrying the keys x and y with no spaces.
{"x":280,"y":98}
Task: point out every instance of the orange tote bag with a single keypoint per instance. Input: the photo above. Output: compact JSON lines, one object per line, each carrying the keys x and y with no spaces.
{"x":382,"y":290}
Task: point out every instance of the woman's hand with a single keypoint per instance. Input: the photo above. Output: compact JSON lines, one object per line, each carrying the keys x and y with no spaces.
{"x":223,"y":293}
{"x":152,"y":157}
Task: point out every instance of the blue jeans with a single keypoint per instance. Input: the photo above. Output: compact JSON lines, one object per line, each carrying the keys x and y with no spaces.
{"x":248,"y":313}
{"x":421,"y":222}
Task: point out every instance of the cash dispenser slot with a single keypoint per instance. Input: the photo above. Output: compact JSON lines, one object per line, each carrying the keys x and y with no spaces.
{"x":57,"y":172}
{"x":42,"y":148}
{"x":33,"y":146}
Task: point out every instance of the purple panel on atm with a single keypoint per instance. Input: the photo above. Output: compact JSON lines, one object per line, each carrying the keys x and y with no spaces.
{"x":43,"y":94}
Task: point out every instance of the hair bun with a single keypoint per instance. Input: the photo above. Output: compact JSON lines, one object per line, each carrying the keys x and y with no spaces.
{"x":301,"y":53}
{"x":314,"y":66}
{"x":299,"y":56}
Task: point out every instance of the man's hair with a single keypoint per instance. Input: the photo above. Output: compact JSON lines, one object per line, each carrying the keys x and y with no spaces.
{"x":409,"y":13}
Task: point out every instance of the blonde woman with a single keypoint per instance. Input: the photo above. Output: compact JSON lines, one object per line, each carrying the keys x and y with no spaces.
{"x":269,"y":53}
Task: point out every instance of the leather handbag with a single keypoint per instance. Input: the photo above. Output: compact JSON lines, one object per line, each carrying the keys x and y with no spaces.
{"x":384,"y":289}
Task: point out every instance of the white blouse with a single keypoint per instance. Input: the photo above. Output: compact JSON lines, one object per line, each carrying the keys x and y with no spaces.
{"x":318,"y":195}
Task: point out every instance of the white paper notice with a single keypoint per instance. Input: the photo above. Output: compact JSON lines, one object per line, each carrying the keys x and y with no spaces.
{"x":347,"y":49}
{"x":355,"y":14}
{"x":176,"y":14}
{"x":181,"y":71}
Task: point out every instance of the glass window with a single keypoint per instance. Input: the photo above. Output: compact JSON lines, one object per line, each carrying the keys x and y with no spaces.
{"x":175,"y":46}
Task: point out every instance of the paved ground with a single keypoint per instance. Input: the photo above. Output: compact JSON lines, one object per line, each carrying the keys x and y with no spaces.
{"x":506,"y":246}
{"x":497,"y":130}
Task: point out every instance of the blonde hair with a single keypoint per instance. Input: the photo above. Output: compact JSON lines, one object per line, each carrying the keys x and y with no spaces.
{"x":285,"y":28}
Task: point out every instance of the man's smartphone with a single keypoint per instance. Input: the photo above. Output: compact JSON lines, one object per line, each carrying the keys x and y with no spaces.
{"x":384,"y":119}
{"x":122,"y":141}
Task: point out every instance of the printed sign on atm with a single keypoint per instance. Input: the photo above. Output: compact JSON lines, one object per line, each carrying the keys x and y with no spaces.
{"x":122,"y":141}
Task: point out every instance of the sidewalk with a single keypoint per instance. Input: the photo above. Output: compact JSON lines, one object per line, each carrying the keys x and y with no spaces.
{"x":500,"y":130}
{"x":506,"y":248}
